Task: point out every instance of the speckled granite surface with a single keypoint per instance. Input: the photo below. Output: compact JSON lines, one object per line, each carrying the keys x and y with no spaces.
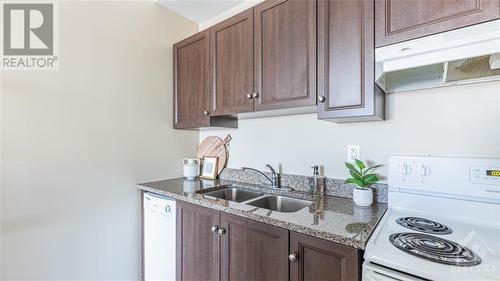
{"x":331,"y":218}
{"x":334,"y":187}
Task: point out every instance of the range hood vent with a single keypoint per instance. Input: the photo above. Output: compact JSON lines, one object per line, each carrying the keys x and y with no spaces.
{"x":472,"y":68}
{"x":463,"y":56}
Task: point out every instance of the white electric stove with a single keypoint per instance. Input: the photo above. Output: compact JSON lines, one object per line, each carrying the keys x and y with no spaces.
{"x":442,"y":222}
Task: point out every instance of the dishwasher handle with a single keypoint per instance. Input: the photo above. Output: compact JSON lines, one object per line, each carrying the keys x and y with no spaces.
{"x":156,"y":204}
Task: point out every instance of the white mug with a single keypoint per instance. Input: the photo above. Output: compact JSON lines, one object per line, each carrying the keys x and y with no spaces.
{"x":191,"y":168}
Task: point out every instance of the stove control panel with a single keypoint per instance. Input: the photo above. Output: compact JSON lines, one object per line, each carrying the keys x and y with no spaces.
{"x":485,"y":175}
{"x":469,"y":178}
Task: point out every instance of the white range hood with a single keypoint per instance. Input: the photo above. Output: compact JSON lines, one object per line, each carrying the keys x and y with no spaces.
{"x":467,"y":55}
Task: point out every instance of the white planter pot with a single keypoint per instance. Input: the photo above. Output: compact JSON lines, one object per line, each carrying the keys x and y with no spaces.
{"x":362,"y":197}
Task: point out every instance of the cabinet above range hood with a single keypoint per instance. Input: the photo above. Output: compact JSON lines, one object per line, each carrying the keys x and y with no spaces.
{"x":462,"y":56}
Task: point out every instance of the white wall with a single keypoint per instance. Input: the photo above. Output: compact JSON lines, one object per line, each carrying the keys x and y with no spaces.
{"x":77,"y":140}
{"x":463,"y":120}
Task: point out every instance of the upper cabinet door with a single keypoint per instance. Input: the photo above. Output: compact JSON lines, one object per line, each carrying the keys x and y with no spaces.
{"x":232,"y":64}
{"x":192,"y":82}
{"x":346,"y":88}
{"x":317,"y":259}
{"x":285,"y":54}
{"x":401,"y":20}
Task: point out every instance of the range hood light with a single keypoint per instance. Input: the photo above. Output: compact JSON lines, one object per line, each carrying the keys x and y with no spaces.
{"x":495,"y":61}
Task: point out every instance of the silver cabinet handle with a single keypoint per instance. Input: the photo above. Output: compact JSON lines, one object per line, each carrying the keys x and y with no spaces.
{"x":221,"y":231}
{"x":215,"y":229}
{"x":321,"y":99}
{"x":292,"y":257}
{"x":249,"y":96}
{"x":206,"y":113}
{"x":255,"y":95}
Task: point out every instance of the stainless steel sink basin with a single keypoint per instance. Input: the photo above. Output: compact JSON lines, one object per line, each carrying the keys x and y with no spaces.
{"x":280,"y":203}
{"x":233,"y":194}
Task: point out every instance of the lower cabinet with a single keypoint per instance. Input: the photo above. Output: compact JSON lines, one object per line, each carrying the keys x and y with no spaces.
{"x":198,"y":248}
{"x":317,"y":259}
{"x":212,"y":245}
{"x":253,"y":250}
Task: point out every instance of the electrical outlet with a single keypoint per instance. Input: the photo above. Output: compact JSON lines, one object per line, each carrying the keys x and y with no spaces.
{"x":352,"y":153}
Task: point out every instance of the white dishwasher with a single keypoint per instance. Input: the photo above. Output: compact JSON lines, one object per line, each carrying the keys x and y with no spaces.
{"x":159,"y":237}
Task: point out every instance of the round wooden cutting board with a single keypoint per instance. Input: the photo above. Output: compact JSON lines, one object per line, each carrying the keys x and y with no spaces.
{"x":214,"y":147}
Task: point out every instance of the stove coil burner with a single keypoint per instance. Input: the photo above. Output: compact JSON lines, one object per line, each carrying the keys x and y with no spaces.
{"x":424,"y":225}
{"x":434,"y":249}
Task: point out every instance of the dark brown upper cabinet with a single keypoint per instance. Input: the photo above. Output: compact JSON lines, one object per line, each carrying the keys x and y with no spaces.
{"x":282,"y":55}
{"x":346,"y":62}
{"x":316,"y":259}
{"x":191,"y":82}
{"x":285,"y":54}
{"x":252,"y":250}
{"x":401,"y":20}
{"x":198,"y":247}
{"x":232,"y":64}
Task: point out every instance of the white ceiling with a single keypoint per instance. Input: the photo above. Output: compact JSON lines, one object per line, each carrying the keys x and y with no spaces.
{"x":199,"y":11}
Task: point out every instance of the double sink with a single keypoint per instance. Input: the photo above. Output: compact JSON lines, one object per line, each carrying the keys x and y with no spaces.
{"x":257,"y":199}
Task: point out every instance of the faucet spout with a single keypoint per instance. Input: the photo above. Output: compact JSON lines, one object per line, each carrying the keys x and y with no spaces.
{"x":275,"y":178}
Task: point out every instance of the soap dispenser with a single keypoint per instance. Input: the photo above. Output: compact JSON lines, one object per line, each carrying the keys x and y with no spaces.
{"x":316,"y":182}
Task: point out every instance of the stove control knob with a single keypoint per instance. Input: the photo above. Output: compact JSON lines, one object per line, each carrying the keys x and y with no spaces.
{"x":405,"y":169}
{"x":424,"y":170}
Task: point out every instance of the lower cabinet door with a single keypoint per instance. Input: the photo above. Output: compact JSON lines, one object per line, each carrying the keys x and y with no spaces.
{"x":198,"y":248}
{"x":316,"y":259}
{"x":253,"y":251}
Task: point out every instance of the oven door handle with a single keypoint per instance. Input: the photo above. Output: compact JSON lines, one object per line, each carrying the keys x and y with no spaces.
{"x":374,"y":272}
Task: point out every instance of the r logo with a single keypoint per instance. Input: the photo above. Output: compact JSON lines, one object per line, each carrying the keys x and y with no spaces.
{"x":28,"y":29}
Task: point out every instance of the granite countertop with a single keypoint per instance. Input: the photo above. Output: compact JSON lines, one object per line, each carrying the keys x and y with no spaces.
{"x":331,"y":218}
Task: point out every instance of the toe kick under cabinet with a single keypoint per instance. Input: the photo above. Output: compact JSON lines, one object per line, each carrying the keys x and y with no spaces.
{"x":213,"y":245}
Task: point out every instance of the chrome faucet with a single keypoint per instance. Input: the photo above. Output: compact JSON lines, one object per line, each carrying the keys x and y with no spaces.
{"x":275,"y":177}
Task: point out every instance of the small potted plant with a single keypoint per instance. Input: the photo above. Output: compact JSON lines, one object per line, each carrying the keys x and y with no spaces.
{"x":363,"y":179}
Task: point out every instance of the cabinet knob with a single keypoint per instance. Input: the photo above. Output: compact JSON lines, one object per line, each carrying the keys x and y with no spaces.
{"x":249,"y":96}
{"x":321,"y":99}
{"x":292,"y":257}
{"x":206,"y":113}
{"x":214,"y":228}
{"x":255,"y":95}
{"x":221,"y":231}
